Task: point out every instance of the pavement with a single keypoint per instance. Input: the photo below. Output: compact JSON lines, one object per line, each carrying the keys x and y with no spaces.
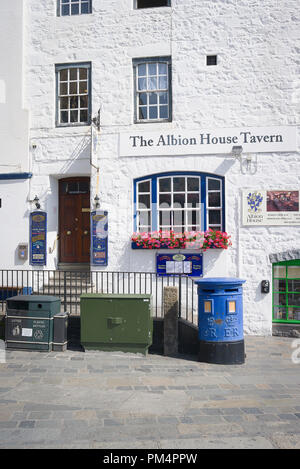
{"x":114,"y":400}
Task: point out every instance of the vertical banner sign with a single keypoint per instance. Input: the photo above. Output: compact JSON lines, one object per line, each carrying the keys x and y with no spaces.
{"x":99,"y":237}
{"x":38,"y":238}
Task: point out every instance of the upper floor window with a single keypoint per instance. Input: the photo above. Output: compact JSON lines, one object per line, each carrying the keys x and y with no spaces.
{"x":152,"y":3}
{"x":179,"y":202}
{"x":152,"y":89}
{"x":73,"y":94}
{"x":73,"y":7}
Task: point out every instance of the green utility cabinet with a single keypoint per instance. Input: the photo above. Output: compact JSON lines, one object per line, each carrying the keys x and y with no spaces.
{"x":116,"y":322}
{"x":29,"y":321}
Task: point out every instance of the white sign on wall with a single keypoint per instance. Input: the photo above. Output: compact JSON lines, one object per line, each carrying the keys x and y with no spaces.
{"x":191,"y":142}
{"x":271,"y":207}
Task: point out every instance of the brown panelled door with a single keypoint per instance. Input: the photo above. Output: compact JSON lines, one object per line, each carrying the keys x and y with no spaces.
{"x":74,"y":220}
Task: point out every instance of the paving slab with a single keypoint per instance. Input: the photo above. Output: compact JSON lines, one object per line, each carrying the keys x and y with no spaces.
{"x":115,"y":400}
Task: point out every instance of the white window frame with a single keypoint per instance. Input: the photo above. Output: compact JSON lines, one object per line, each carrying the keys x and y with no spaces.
{"x":139,"y":210}
{"x":219,"y":208}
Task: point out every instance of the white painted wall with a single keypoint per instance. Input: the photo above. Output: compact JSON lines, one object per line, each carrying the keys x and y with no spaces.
{"x":254,"y":84}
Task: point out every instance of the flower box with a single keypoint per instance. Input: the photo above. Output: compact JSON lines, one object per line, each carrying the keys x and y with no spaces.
{"x":188,"y":240}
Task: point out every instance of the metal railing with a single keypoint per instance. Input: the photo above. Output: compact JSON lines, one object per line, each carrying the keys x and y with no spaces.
{"x":69,"y":285}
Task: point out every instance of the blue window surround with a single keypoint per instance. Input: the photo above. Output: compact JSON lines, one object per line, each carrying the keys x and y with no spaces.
{"x":203,"y":176}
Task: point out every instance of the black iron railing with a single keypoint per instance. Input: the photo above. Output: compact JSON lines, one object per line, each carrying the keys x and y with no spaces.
{"x":69,"y":285}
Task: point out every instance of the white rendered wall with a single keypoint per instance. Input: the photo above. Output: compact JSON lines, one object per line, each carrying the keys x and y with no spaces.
{"x":254,"y":84}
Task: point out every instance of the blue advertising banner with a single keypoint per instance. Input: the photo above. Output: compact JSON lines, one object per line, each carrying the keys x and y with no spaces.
{"x":99,"y":237}
{"x":38,"y":238}
{"x":190,"y":265}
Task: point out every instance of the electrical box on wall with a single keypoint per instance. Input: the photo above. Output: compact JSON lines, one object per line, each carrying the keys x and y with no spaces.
{"x":23,"y":251}
{"x":265,"y":286}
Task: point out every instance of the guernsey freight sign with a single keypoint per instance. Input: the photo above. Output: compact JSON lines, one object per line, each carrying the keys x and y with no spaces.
{"x":204,"y":142}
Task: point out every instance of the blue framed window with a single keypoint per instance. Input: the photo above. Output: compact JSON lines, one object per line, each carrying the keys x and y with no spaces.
{"x":73,"y":94}
{"x":152,"y":82}
{"x":179,"y":201}
{"x":73,"y":7}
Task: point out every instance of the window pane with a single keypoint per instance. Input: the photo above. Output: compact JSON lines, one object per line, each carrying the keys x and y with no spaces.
{"x":144,"y":201}
{"x":178,"y":229}
{"x":293,"y":271}
{"x":142,"y":70}
{"x":163,"y":83}
{"x":153,"y":112}
{"x":144,"y":186}
{"x":143,"y":99}
{"x":280,"y":299}
{"x":293,"y":285}
{"x":145,"y":218}
{"x":279,"y":285}
{"x":193,"y":217}
{"x":152,"y":83}
{"x":64,"y":117}
{"x":65,"y":10}
{"x":178,"y":200}
{"x":83,"y":116}
{"x":164,"y":200}
{"x":75,"y":9}
{"x":83,"y":101}
{"x":64,"y":103}
{"x":165,"y":185}
{"x":74,"y":102}
{"x":293,"y":299}
{"x":63,"y":89}
{"x":162,"y":69}
{"x":83,"y":87}
{"x":83,"y":74}
{"x":178,"y":217}
{"x":279,"y":313}
{"x":142,"y":113}
{"x":214,"y":199}
{"x":73,"y":87}
{"x":152,"y":69}
{"x":84,"y":8}
{"x":164,"y":112}
{"x":74,"y":116}
{"x":214,"y":184}
{"x":179,"y":184}
{"x":163,"y":98}
{"x":142,"y":83}
{"x":294,"y":314}
{"x":193,"y":184}
{"x":165,"y":219}
{"x":214,"y":217}
{"x":63,"y":75}
{"x":193,"y":200}
{"x":73,"y":73}
{"x":152,"y":98}
{"x":83,"y":186}
{"x":279,"y":271}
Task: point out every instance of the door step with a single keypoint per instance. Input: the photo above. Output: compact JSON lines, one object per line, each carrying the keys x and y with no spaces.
{"x":74,"y":267}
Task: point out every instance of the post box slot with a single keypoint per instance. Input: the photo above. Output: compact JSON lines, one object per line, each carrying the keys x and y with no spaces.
{"x":232,"y":290}
{"x":209,"y":291}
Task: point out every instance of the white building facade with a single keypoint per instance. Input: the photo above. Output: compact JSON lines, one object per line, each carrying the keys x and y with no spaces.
{"x":170,"y":113}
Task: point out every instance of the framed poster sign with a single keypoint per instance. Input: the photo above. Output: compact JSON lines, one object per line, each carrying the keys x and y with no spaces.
{"x":271,"y":207}
{"x":99,"y":237}
{"x":38,"y":238}
{"x":190,"y":265}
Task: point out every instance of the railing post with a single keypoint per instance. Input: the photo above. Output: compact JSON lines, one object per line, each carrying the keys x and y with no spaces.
{"x":179,"y":297}
{"x":65,"y":290}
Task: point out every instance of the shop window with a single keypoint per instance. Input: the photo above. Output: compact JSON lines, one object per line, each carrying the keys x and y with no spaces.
{"x":73,"y":94}
{"x":286,"y":291}
{"x":73,"y":7}
{"x":179,"y":202}
{"x":152,"y":78}
{"x":152,"y":3}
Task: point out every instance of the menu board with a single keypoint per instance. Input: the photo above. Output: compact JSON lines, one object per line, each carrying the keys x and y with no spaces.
{"x":99,"y":235}
{"x":38,"y":238}
{"x":180,"y":264}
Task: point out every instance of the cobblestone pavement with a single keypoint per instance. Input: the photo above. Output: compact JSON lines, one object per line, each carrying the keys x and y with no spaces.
{"x":117,"y":400}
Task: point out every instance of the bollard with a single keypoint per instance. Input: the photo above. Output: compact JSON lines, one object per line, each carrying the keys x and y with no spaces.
{"x":171,"y":321}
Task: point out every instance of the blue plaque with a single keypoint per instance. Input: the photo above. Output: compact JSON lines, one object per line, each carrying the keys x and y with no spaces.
{"x":190,"y":265}
{"x":38,"y":238}
{"x":99,"y":237}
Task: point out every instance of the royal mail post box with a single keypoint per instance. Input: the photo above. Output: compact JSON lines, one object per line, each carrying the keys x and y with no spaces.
{"x":114,"y":322}
{"x":220,"y":320}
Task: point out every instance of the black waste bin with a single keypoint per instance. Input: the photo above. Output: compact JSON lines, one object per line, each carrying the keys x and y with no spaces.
{"x":220,"y":320}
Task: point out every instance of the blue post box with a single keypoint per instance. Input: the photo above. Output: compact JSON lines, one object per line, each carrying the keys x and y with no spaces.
{"x":220,"y":320}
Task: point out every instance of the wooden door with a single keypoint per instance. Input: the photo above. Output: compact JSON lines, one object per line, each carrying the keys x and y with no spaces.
{"x":74,"y":220}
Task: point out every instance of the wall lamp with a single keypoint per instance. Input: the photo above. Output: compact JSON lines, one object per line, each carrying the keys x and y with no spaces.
{"x":96,"y":199}
{"x":237,"y":152}
{"x":36,"y":200}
